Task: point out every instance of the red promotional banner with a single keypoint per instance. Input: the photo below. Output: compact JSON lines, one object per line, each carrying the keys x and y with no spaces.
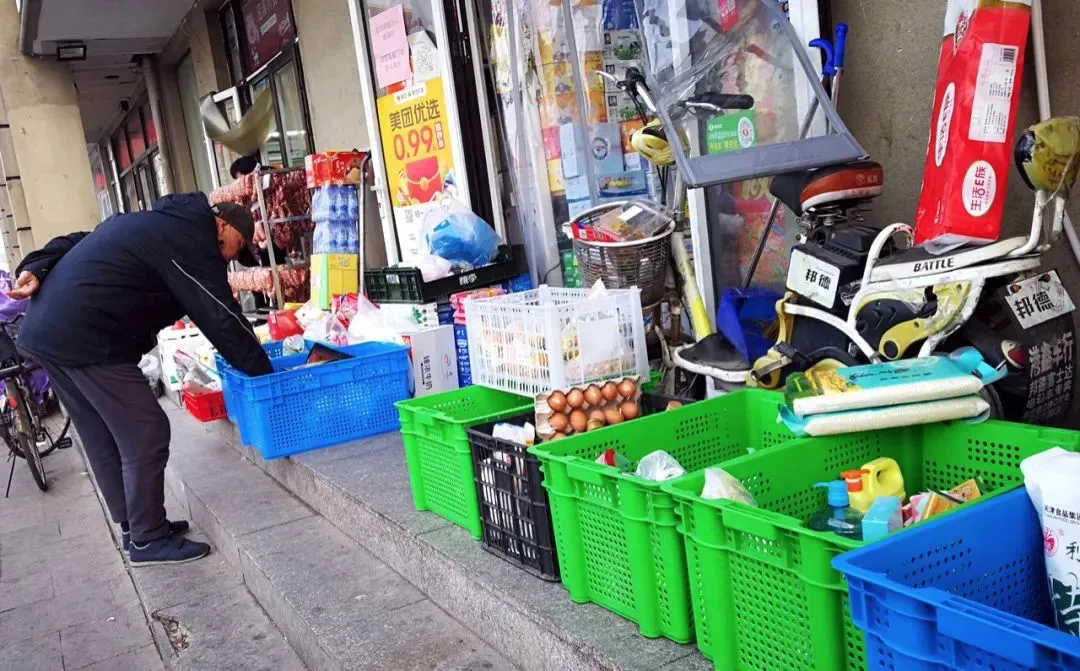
{"x":268,"y":27}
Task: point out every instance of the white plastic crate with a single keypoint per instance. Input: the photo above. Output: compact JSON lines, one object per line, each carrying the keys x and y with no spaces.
{"x":550,"y":338}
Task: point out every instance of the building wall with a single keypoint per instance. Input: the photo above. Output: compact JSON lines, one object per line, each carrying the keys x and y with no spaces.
{"x":888,"y":92}
{"x":332,"y":81}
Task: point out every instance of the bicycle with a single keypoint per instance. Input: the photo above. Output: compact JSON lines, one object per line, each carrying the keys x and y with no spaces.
{"x":21,"y":417}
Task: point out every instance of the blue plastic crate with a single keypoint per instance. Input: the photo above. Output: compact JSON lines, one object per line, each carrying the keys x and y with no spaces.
{"x":292,"y":411}
{"x":230,"y":390}
{"x":967,"y":591}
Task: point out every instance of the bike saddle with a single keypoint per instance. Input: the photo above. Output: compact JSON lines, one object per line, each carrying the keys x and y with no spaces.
{"x":917,"y":262}
{"x":804,"y":190}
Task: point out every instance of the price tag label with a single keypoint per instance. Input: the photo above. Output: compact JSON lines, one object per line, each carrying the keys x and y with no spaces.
{"x":1039,"y":299}
{"x":813,"y":278}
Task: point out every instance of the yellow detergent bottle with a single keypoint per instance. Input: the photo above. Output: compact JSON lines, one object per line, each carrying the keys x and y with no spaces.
{"x":882,"y":477}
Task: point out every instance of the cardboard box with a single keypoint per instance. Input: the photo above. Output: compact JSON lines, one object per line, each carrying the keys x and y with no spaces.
{"x":434,"y":360}
{"x":333,"y":168}
{"x":333,"y":275}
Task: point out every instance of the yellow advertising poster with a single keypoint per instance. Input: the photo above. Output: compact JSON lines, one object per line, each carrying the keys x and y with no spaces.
{"x":417,"y":149}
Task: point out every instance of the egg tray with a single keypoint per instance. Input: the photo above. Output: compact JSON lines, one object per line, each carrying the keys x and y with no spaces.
{"x":601,"y":404}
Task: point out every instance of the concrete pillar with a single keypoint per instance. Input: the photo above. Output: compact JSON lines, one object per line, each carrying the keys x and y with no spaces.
{"x":153,"y":94}
{"x":45,"y":164}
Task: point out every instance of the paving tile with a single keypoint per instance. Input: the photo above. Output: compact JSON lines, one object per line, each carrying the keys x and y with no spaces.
{"x":24,"y":590}
{"x":40,"y":653}
{"x":166,"y":586}
{"x":82,"y":521}
{"x":85,"y":602}
{"x":228,"y":630}
{"x":30,"y":539}
{"x":27,"y":621}
{"x":21,"y":565}
{"x":143,"y":659}
{"x":103,"y":638}
{"x":246,"y":500}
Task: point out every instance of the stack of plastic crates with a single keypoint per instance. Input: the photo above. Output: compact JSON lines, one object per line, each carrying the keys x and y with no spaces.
{"x":300,"y":408}
{"x":437,"y":450}
{"x":968,"y":591}
{"x":764,"y":590}
{"x":616,"y":533}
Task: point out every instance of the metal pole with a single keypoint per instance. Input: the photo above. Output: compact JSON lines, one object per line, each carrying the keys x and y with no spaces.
{"x":153,"y":93}
{"x":269,"y":240}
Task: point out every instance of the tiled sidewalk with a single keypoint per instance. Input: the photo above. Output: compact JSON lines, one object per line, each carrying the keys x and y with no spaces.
{"x":66,"y":599}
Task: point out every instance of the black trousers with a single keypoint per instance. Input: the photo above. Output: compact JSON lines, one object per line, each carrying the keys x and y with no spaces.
{"x":125,"y":435}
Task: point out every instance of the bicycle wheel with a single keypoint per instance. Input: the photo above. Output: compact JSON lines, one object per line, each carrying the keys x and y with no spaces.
{"x":54,"y":442}
{"x":23,"y":433}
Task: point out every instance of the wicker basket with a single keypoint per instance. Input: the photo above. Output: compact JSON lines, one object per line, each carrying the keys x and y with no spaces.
{"x":621,"y":265}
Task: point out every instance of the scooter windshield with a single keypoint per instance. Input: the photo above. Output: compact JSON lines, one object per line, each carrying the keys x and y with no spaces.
{"x":736,"y":79}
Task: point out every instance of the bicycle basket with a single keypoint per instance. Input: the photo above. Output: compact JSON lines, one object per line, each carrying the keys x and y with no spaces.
{"x":621,"y":265}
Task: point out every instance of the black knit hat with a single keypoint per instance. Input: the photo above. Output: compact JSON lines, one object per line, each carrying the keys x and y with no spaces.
{"x":237,"y":216}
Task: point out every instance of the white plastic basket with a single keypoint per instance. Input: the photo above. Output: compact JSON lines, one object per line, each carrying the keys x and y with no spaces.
{"x":550,"y":338}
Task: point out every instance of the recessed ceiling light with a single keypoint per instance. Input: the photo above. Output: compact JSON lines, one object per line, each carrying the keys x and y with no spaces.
{"x":112,"y":76}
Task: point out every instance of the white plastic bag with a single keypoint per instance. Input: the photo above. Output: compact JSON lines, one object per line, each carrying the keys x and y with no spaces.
{"x":328,"y":329}
{"x":659,"y":466}
{"x":374,"y":325}
{"x":309,"y":313}
{"x":150,"y":365}
{"x":434,"y":267}
{"x":1051,"y":479}
{"x":719,"y":484}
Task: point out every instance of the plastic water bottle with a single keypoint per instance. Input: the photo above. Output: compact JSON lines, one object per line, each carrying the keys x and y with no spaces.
{"x":340,"y":240}
{"x":354,"y":206}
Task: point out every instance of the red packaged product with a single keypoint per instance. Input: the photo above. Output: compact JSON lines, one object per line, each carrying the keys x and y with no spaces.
{"x":969,"y":153}
{"x":283,"y":324}
{"x":333,"y":168}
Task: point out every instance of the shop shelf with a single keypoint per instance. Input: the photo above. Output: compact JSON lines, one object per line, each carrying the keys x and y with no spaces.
{"x":765,"y":593}
{"x":437,"y":450}
{"x":616,"y":533}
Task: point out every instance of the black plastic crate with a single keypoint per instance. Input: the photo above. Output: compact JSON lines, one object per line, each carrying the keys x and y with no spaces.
{"x":514,"y":510}
{"x":407,"y":285}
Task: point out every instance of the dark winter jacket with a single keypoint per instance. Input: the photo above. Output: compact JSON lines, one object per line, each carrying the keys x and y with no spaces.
{"x":105,"y":295}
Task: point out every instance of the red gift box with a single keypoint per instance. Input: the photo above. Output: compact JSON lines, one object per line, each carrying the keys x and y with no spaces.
{"x":333,"y":168}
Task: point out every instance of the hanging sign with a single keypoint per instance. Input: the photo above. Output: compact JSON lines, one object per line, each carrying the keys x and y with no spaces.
{"x":268,"y":27}
{"x":390,"y":47}
{"x":417,"y":148}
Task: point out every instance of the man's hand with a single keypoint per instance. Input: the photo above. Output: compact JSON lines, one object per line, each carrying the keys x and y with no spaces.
{"x":25,"y":287}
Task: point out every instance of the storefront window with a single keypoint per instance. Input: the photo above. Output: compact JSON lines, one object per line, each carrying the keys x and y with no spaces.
{"x":120,"y":147}
{"x":291,"y":109}
{"x":136,"y":138}
{"x":260,"y":36}
{"x":189,"y":100}
{"x":148,"y":123}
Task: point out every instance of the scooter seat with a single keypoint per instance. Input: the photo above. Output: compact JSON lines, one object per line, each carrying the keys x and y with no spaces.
{"x":808,"y":189}
{"x":917,"y":262}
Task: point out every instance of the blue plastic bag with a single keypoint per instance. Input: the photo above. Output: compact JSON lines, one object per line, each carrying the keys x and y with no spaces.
{"x":463,"y":237}
{"x":743,"y":315}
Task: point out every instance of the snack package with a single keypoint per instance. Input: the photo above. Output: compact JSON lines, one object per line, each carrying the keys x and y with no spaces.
{"x":1050,"y":478}
{"x":978,"y":89}
{"x":719,"y":484}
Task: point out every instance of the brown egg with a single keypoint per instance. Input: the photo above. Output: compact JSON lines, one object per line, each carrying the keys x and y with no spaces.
{"x":558,"y":436}
{"x":595,"y":424}
{"x":559,"y":422}
{"x":575,"y":398}
{"x":593,"y":395}
{"x":609,"y":391}
{"x":578,"y":421}
{"x":673,"y":405}
{"x":596,"y":415}
{"x":612,"y":416}
{"x":627,"y":389}
{"x":630,"y":410}
{"x":557,"y":401}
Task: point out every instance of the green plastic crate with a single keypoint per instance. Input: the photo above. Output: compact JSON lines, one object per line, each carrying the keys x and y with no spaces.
{"x":764,"y":592}
{"x":615,"y":533}
{"x":437,"y":449}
